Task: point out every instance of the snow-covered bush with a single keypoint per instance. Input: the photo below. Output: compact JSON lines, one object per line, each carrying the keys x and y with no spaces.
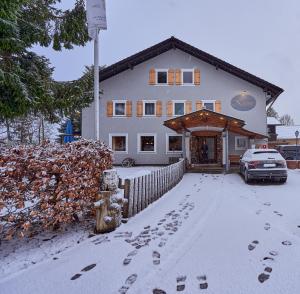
{"x":48,"y":185}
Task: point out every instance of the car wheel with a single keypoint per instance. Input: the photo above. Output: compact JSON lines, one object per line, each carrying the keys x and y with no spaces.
{"x":282,"y":181}
{"x":246,"y":176}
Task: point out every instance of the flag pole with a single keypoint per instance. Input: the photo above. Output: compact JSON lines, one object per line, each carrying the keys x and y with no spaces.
{"x":96,"y":86}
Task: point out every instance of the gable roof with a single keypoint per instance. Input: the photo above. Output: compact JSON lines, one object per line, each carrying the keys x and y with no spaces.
{"x":174,"y":43}
{"x":208,"y":118}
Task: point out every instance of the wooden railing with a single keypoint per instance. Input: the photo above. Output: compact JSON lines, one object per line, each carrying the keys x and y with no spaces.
{"x":142,"y":191}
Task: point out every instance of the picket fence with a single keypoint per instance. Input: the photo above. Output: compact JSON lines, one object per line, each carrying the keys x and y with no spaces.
{"x":144,"y":190}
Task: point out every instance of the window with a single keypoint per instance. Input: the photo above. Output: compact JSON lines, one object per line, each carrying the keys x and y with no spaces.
{"x":149,"y":108}
{"x":120,"y":108}
{"x":188,"y":77}
{"x":209,"y":105}
{"x":174,"y":143}
{"x":147,"y":143}
{"x":118,"y":143}
{"x":241,"y":143}
{"x":179,"y":108}
{"x":162,"y":76}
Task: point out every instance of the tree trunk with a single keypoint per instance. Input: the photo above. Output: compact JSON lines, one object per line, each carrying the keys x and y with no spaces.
{"x":8,"y":130}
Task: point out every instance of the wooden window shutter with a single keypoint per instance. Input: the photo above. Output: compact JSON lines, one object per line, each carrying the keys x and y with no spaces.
{"x":170,"y":108}
{"x":152,"y":77}
{"x":188,"y":107}
{"x":218,"y":107}
{"x":158,"y":108}
{"x":171,"y":76}
{"x":109,"y":108}
{"x":128,"y":108}
{"x":178,"y":77}
{"x":197,"y":76}
{"x":199,"y":105}
{"x":139,"y":108}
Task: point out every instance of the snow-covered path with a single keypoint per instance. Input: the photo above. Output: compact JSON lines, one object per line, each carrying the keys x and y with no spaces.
{"x":210,"y":234}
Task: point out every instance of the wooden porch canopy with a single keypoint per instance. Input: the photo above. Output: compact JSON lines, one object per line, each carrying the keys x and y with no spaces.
{"x":207,"y":118}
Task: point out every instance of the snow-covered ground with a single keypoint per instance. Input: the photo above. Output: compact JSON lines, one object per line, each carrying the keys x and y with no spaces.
{"x":135,"y":171}
{"x":209,"y":234}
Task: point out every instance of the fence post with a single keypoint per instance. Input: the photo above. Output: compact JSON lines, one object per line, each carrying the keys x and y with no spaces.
{"x":126,"y":208}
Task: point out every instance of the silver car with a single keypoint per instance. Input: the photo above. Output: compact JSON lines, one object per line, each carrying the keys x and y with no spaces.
{"x":263,"y":164}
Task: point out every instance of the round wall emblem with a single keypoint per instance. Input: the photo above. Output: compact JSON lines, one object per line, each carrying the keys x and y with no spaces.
{"x":243,"y":102}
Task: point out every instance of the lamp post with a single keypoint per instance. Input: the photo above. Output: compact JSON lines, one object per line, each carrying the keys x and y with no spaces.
{"x":96,"y":19}
{"x":297,"y":135}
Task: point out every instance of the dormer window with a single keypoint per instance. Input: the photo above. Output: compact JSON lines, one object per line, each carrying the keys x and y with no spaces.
{"x":162,"y":76}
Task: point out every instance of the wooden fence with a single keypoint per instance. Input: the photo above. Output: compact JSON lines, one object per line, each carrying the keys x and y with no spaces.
{"x":142,"y":191}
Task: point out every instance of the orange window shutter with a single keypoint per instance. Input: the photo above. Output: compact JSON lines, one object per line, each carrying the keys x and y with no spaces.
{"x":109,"y":108}
{"x":171,"y":76}
{"x":178,"y":77}
{"x":128,"y":108}
{"x":188,"y":107}
{"x":152,"y":76}
{"x":218,"y":107}
{"x":197,"y":76}
{"x":158,"y":108}
{"x":199,"y":105}
{"x":169,"y":108}
{"x":139,"y":108}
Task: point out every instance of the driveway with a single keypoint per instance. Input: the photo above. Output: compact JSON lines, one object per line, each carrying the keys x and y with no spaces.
{"x":210,"y":234}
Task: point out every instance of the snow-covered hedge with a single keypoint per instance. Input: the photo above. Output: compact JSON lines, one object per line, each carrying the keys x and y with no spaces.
{"x":48,"y":185}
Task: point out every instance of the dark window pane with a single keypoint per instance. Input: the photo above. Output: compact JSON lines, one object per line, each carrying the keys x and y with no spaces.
{"x":175,"y":143}
{"x":161,"y":77}
{"x":147,"y":143}
{"x":179,"y":108}
{"x":119,"y":143}
{"x":187,"y":77}
{"x":149,"y":108}
{"x":120,"y":108}
{"x":209,"y":106}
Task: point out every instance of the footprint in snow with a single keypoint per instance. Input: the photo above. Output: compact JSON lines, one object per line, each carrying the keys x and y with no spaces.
{"x":180,"y":283}
{"x":287,"y":243}
{"x":85,"y":269}
{"x":267,"y":203}
{"x":252,"y":245}
{"x":163,"y":242}
{"x":203,"y":282}
{"x":258,"y":212}
{"x":267,"y":226}
{"x":100,"y":240}
{"x":265,"y":275}
{"x":158,"y":291}
{"x":278,"y":213}
{"x":123,"y":235}
{"x":129,"y":257}
{"x":156,"y":257}
{"x":128,"y":283}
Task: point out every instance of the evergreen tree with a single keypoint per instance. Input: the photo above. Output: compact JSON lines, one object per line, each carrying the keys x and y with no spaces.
{"x":26,"y":84}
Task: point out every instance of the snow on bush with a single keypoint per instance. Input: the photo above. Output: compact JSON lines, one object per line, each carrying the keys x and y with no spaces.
{"x":49,"y":185}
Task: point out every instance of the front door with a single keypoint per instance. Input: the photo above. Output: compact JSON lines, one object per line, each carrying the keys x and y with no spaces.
{"x":203,"y":149}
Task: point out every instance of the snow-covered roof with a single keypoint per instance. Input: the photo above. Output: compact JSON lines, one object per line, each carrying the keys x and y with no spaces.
{"x":287,"y":132}
{"x":273,"y":121}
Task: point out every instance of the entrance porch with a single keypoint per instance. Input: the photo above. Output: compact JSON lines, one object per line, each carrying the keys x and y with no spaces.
{"x":209,"y":140}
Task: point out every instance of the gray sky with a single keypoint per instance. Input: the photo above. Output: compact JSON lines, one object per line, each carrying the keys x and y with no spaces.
{"x":259,"y":36}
